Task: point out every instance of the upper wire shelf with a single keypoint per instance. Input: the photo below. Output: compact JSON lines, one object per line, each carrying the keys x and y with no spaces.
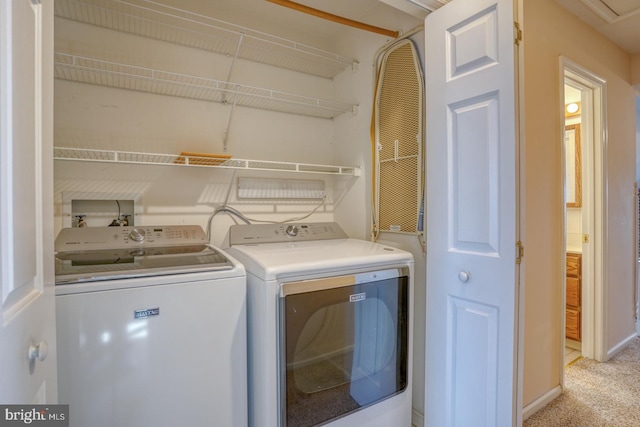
{"x":105,"y":73}
{"x":182,"y":160}
{"x":154,"y":20}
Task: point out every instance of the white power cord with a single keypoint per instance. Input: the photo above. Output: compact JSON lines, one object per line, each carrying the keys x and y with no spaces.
{"x":247,"y":220}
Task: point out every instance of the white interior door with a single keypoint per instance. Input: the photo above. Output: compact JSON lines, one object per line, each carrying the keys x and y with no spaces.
{"x":26,"y":217}
{"x":471,"y":330}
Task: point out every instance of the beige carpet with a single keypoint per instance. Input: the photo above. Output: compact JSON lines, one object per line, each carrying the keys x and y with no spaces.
{"x":597,"y":394}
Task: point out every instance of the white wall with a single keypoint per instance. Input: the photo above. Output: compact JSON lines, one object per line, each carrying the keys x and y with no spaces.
{"x":96,"y":117}
{"x":637,"y":180}
{"x":638,"y":134}
{"x":635,"y":69}
{"x":574,"y":215}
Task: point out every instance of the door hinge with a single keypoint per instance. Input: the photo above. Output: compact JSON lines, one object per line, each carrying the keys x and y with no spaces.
{"x":585,"y":238}
{"x":517,"y":33}
{"x":519,"y":252}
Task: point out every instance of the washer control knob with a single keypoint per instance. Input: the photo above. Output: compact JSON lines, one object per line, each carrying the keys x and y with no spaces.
{"x":138,"y":234}
{"x":292,"y":230}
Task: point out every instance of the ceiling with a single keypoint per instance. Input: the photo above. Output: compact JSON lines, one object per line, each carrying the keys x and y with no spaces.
{"x":619,"y":20}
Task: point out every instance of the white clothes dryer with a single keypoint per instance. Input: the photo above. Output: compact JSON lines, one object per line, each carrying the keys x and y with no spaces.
{"x":329,"y":327}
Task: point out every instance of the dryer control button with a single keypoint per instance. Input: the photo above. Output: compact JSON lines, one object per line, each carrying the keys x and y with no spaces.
{"x":292,"y":230}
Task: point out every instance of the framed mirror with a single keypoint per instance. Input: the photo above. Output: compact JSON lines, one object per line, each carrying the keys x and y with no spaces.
{"x":573,"y":169}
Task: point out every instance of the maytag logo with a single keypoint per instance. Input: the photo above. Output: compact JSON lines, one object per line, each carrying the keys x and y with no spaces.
{"x":143,"y":314}
{"x":357,"y":297}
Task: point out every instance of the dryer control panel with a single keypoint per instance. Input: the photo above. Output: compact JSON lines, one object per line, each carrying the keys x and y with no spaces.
{"x":274,"y":233}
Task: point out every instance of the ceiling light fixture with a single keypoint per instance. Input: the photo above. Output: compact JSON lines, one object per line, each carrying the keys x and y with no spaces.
{"x":572,"y":109}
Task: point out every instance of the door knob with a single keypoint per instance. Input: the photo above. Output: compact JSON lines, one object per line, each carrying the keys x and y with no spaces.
{"x":39,"y":351}
{"x":464,"y":276}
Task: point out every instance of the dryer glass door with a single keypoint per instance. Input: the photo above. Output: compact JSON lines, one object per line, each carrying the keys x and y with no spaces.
{"x":345,"y":344}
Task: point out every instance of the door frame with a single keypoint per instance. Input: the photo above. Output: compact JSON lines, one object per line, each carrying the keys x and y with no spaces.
{"x":594,"y":293}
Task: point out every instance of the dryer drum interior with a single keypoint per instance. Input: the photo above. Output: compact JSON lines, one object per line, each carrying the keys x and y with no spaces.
{"x":344,"y":347}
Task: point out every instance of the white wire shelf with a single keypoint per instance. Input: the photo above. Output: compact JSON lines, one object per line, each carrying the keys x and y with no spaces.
{"x":155,"y":20}
{"x":181,"y":160}
{"x":105,"y":73}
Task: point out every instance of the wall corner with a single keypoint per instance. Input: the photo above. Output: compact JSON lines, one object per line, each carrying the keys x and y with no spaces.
{"x":635,"y":70}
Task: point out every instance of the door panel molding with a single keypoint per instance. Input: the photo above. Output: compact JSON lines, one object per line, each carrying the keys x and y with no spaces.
{"x":474,"y":153}
{"x":473,"y":346}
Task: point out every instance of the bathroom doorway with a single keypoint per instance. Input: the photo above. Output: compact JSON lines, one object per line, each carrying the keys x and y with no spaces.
{"x":584,"y":231}
{"x":576,"y":234}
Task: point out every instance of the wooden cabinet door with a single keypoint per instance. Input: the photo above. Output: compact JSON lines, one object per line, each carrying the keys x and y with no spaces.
{"x":573,"y":326}
{"x":574,"y":265}
{"x":573,"y":317}
{"x":574,"y":296}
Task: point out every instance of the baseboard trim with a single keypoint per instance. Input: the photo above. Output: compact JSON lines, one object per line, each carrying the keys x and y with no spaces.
{"x":417,"y":418}
{"x":541,"y":402}
{"x":572,"y":344}
{"x":622,"y":344}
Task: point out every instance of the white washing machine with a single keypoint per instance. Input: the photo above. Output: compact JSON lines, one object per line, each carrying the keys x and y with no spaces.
{"x":151,"y":328}
{"x":329,"y":327}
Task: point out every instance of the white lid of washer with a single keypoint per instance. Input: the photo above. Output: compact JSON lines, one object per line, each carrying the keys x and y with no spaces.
{"x":270,"y":261}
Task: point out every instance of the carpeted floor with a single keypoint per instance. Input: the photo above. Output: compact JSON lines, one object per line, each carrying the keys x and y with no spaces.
{"x":597,"y":394}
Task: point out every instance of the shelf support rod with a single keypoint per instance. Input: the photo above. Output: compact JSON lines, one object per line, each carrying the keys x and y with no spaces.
{"x":235,"y":98}
{"x":226,"y":131}
{"x":235,"y":56}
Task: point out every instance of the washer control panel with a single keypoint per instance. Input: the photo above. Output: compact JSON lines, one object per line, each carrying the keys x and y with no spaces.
{"x":274,"y":233}
{"x":99,"y":238}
